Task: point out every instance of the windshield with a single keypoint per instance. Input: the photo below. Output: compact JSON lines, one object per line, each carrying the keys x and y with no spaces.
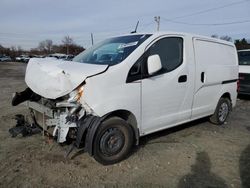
{"x":244,"y":58}
{"x":111,"y":51}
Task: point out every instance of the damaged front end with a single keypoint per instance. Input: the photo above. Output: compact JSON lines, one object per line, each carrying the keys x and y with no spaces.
{"x":58,"y":117}
{"x":68,"y":119}
{"x":54,"y":98}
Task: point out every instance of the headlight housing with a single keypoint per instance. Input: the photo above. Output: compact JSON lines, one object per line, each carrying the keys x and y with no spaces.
{"x":75,"y":95}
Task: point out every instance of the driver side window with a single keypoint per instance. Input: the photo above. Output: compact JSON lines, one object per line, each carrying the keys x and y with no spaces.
{"x":170,"y":50}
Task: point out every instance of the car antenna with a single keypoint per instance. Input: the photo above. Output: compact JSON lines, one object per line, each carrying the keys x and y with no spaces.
{"x":92,"y":39}
{"x":135,"y":31}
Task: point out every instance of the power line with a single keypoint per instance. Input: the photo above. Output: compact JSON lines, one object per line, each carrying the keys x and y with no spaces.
{"x":210,"y":9}
{"x":206,"y":24}
{"x":144,"y":26}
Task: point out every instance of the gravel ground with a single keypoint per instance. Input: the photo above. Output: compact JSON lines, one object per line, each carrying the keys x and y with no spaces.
{"x":197,"y":154}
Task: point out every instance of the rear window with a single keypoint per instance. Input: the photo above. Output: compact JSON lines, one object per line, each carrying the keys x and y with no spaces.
{"x":244,"y":58}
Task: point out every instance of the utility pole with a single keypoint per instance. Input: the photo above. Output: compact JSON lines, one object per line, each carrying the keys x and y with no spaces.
{"x":92,"y":39}
{"x":158,"y":19}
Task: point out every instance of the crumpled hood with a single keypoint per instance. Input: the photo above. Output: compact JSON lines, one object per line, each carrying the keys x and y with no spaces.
{"x":56,"y":78}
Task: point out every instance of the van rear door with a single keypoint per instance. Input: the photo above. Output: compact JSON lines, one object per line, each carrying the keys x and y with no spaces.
{"x":215,"y":64}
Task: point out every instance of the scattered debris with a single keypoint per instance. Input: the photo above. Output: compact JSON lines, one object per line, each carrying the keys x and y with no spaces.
{"x":23,"y":127}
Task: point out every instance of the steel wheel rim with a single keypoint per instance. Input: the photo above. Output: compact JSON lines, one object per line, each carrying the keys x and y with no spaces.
{"x":223,"y":112}
{"x":112,"y":141}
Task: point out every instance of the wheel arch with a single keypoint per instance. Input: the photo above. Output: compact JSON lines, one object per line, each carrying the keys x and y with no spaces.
{"x":129,"y":117}
{"x":227,"y":96}
{"x":222,"y":94}
{"x":93,"y":122}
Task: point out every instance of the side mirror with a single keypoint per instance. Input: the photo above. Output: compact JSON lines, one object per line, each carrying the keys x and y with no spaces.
{"x":154,"y":64}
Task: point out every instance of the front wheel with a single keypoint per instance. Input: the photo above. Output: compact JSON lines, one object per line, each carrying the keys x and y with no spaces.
{"x":113,"y":141}
{"x":221,"y":112}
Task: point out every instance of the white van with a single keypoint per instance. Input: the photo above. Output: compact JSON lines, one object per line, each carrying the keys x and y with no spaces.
{"x":244,"y":72}
{"x":129,"y":86}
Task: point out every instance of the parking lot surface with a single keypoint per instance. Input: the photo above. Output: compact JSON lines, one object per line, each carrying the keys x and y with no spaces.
{"x":197,"y":154}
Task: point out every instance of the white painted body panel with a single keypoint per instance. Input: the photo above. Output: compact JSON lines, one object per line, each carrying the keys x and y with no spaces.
{"x":109,"y":92}
{"x":158,"y":102}
{"x":165,"y":101}
{"x":219,"y":63}
{"x":244,"y":69}
{"x":162,"y":107}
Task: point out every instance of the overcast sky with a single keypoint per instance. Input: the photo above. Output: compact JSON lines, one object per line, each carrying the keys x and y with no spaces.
{"x":26,"y":22}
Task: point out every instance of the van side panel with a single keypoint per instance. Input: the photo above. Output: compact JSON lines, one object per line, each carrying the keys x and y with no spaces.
{"x":166,"y":101}
{"x":216,"y":74}
{"x":108,"y":92}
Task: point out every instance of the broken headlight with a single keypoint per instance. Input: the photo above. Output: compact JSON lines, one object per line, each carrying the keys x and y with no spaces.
{"x":75,"y":95}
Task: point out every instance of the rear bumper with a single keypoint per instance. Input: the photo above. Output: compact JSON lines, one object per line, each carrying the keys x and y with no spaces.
{"x":244,"y":89}
{"x":244,"y":83}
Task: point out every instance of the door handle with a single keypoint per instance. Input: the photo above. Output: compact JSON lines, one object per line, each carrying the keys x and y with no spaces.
{"x":182,"y":78}
{"x":202,"y":77}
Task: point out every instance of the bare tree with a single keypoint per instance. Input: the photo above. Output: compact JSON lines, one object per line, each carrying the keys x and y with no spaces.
{"x":242,"y":44}
{"x":45,"y":46}
{"x":42,"y":46}
{"x":214,"y":36}
{"x":224,"y":37}
{"x":13,"y":52}
{"x":20,"y":50}
{"x":74,"y":49}
{"x":48,"y":45}
{"x":227,"y":38}
{"x":67,"y":41}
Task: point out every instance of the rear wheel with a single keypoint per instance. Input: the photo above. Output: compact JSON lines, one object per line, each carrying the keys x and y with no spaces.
{"x":221,"y":112}
{"x":113,"y":141}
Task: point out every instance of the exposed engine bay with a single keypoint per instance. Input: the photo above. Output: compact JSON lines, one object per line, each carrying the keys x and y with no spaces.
{"x":60,"y":115}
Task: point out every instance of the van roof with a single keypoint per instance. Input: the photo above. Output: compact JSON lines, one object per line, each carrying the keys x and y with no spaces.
{"x":160,"y":33}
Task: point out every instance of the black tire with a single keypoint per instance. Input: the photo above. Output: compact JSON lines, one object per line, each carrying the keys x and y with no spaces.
{"x":221,"y":112}
{"x":113,"y":141}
